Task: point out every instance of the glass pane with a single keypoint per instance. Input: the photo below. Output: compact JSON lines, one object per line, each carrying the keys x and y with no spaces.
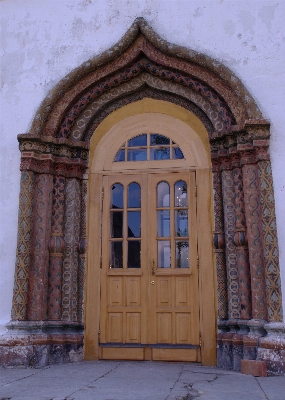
{"x":182,"y":254}
{"x":156,"y":139}
{"x":134,"y":195}
{"x":140,"y":140}
{"x":163,"y":254}
{"x":134,"y":254}
{"x":163,"y":223}
{"x":116,"y":254}
{"x":137,"y":155}
{"x":163,"y":196}
{"x":181,"y":222}
{"x":160,"y":154}
{"x":134,"y":223}
{"x":177,"y":153}
{"x":116,"y":224}
{"x":120,"y":156}
{"x":117,"y":196}
{"x":180,"y":191}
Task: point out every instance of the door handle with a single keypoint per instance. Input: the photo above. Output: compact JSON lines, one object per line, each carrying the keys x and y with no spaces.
{"x":152,"y":268}
{"x":152,"y":282}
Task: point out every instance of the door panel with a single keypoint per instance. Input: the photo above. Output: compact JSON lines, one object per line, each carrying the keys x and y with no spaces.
{"x":174,"y":311}
{"x":149,"y":290}
{"x":123,"y":298}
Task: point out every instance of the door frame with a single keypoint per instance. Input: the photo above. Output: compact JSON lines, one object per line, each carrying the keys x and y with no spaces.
{"x":207,"y":278}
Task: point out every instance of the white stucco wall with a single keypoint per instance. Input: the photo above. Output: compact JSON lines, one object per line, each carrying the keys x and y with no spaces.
{"x":42,"y":40}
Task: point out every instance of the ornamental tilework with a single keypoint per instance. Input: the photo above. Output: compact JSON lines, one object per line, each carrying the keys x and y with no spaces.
{"x":254,"y":235}
{"x":141,"y":37}
{"x":58,"y":205}
{"x":158,"y":95}
{"x":23,"y":255}
{"x":56,"y":248}
{"x":137,"y":84}
{"x":229,"y":218}
{"x":135,"y":70}
{"x":38,"y":278}
{"x":241,"y":248}
{"x":221,"y":270}
{"x":82,"y":250}
{"x":57,"y":147}
{"x":269,"y":233}
{"x":70,"y":259}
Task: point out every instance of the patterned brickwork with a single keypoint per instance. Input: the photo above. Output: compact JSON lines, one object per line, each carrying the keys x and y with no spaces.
{"x":135,"y":70}
{"x":58,"y":205}
{"x":229,"y":218}
{"x":196,"y":64}
{"x":241,"y":247}
{"x":23,"y":255}
{"x":219,"y":246}
{"x":38,"y":276}
{"x":82,"y":251}
{"x":136,"y":86}
{"x":70,"y":259}
{"x":56,"y":248}
{"x":271,"y":256}
{"x":255,"y":245}
{"x":150,"y":93}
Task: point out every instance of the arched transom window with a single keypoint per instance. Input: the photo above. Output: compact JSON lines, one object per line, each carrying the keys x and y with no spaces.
{"x":148,"y":146}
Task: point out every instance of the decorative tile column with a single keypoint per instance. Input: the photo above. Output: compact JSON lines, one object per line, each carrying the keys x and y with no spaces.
{"x":240,"y":239}
{"x":23,"y":254}
{"x":82,"y":247}
{"x":56,"y":249}
{"x":254,"y":234}
{"x":70,"y":258}
{"x":229,"y":218}
{"x":219,"y":242}
{"x":269,"y":235}
{"x":38,"y":274}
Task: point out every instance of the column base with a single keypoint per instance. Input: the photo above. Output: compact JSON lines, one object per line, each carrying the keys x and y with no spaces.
{"x":40,"y":343}
{"x":272,"y":348}
{"x":239,"y":340}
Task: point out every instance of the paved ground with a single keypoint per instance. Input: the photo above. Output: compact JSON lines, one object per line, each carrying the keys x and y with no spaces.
{"x":114,"y":380}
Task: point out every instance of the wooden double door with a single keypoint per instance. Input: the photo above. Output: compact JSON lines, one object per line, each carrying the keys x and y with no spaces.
{"x":149,"y":278}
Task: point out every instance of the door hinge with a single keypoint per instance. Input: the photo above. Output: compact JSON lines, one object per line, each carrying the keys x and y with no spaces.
{"x":200,"y":340}
{"x":101,"y":262}
{"x":102,"y":194}
{"x":195,"y":190}
{"x":197,"y":259}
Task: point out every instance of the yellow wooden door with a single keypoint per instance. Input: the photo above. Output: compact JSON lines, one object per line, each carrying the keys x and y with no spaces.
{"x":173,"y":328}
{"x":149,"y":286}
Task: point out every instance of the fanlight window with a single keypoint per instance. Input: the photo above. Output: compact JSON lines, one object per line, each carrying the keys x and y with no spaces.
{"x":149,"y":146}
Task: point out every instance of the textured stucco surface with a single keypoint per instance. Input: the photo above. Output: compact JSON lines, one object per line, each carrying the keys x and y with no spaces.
{"x":43,"y":40}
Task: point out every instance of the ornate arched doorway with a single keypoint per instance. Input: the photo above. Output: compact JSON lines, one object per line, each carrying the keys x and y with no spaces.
{"x":51,"y":251}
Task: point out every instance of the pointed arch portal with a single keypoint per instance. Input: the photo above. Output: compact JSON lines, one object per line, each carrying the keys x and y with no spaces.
{"x":143,"y":75}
